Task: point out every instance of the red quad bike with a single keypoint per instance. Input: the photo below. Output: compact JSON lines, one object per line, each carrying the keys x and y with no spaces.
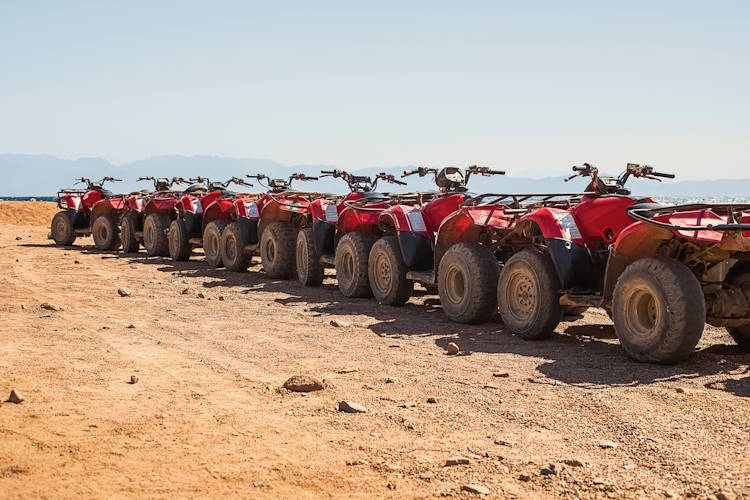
{"x":662,"y":271}
{"x":138,"y":206}
{"x":90,"y":211}
{"x":269,"y":226}
{"x":342,"y":233}
{"x":202,"y":215}
{"x":407,"y":253}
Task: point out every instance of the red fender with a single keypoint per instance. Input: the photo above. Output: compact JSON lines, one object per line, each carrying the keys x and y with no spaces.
{"x":354,"y":220}
{"x":554,"y":223}
{"x":90,"y":198}
{"x":324,"y":210}
{"x":219,"y":209}
{"x":405,"y":218}
{"x":246,"y":209}
{"x":70,"y":202}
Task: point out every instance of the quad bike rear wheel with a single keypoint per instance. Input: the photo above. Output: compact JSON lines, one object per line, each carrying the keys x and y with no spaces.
{"x":352,"y":254}
{"x":63,"y":232}
{"x":128,"y":226}
{"x":659,"y":310}
{"x":212,"y":242}
{"x":387,"y":273}
{"x":233,"y":253}
{"x":740,"y":278}
{"x":309,"y":269}
{"x":155,"y":239}
{"x":105,"y":233}
{"x":467,"y":282}
{"x":277,"y":250}
{"x":179,"y":242}
{"x":528,"y":295}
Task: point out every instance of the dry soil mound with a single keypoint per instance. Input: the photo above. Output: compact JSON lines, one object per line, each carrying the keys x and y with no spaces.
{"x":27,"y":213}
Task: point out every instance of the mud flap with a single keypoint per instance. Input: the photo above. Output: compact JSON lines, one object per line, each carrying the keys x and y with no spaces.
{"x":249,"y":230}
{"x":193,"y":224}
{"x":416,"y":250}
{"x":80,"y":220}
{"x":323,"y":237}
{"x":573,"y":264}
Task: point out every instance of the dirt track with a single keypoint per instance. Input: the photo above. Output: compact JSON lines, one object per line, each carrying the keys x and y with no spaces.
{"x":207,"y":416}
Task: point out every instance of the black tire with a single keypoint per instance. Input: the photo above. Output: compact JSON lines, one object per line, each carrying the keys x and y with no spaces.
{"x":387,"y":273}
{"x":352,"y":254}
{"x":277,"y":250}
{"x":309,"y":269}
{"x":62,"y":229}
{"x":155,"y":229}
{"x":467,"y":281}
{"x":179,"y":241}
{"x":528,"y":295}
{"x":128,"y":227}
{"x":740,"y":277}
{"x":233,"y":253}
{"x":212,"y":242}
{"x":659,"y":310}
{"x":106,"y":233}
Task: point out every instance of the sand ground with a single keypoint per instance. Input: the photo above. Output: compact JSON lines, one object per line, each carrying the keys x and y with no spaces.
{"x":208,"y":415}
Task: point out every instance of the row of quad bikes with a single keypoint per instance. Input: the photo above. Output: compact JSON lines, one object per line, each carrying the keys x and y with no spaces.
{"x":661,"y":272}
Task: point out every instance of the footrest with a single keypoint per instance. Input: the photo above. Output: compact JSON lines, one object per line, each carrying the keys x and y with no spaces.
{"x":424,"y":277}
{"x":328,"y":259}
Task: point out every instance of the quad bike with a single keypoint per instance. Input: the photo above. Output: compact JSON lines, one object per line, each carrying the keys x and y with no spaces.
{"x":661,"y":271}
{"x":406,"y":254}
{"x":90,"y":211}
{"x":269,"y":226}
{"x":139,"y":206}
{"x":342,"y":233}
{"x":202,"y":215}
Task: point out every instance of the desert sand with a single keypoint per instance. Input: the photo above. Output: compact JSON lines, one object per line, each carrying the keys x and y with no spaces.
{"x":208,"y":415}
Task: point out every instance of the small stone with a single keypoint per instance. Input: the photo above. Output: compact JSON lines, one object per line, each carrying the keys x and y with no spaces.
{"x":725,"y":495}
{"x":524,"y":477}
{"x":477,"y":489}
{"x":390,"y":380}
{"x":49,"y":307}
{"x":683,"y":390}
{"x":599,"y":481}
{"x":23,"y":307}
{"x":18,"y":238}
{"x":606,"y":444}
{"x":76,"y":262}
{"x":433,"y":400}
{"x":185,"y":291}
{"x":131,"y":326}
{"x":347,"y":370}
{"x":505,"y":442}
{"x":452,"y":349}
{"x":629,"y":466}
{"x":338,"y":324}
{"x":257,"y":484}
{"x":501,"y":374}
{"x":15,"y":397}
{"x":356,"y":462}
{"x":133,"y":379}
{"x":221,"y":298}
{"x":490,"y":386}
{"x":408,"y":404}
{"x":303,"y":383}
{"x":550,"y":470}
{"x":573,"y":462}
{"x":351,"y":407}
{"x":201,"y":296}
{"x":123,"y":292}
{"x":451,"y":461}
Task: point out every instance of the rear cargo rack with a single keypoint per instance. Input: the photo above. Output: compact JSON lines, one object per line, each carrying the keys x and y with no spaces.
{"x":523,"y":201}
{"x":732,"y":211}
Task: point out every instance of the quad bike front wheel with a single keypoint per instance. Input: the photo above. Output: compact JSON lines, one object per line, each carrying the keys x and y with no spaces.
{"x":352,"y":253}
{"x":155,"y":229}
{"x":309,"y":269}
{"x":387,"y":273}
{"x":659,"y":310}
{"x":277,"y":250}
{"x":233,"y":254}
{"x":179,"y":242}
{"x":105,"y":233}
{"x":63,"y":232}
{"x":128,"y":226}
{"x":528,"y":295}
{"x":741,"y":334}
{"x":467,"y":283}
{"x":212,"y":242}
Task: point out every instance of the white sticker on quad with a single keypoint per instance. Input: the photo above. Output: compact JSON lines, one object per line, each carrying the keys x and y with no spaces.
{"x":416,"y":221}
{"x":332,"y":215}
{"x":252,"y":211}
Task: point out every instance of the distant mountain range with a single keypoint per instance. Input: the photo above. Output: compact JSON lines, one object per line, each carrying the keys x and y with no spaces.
{"x":43,"y":175}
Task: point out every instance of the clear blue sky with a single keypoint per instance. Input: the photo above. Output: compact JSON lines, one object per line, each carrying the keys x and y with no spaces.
{"x":528,"y":86}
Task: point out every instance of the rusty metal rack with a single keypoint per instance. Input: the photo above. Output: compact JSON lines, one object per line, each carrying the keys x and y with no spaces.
{"x":732,"y":211}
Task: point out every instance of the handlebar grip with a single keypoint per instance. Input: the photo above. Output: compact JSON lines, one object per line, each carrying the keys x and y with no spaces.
{"x":396,"y":181}
{"x":310,"y":178}
{"x":578,"y":169}
{"x":660,"y":174}
{"x":327,"y":172}
{"x":409,"y":172}
{"x":497,"y":172}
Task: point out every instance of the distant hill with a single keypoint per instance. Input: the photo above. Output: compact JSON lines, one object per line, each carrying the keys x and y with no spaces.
{"x":43,"y":175}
